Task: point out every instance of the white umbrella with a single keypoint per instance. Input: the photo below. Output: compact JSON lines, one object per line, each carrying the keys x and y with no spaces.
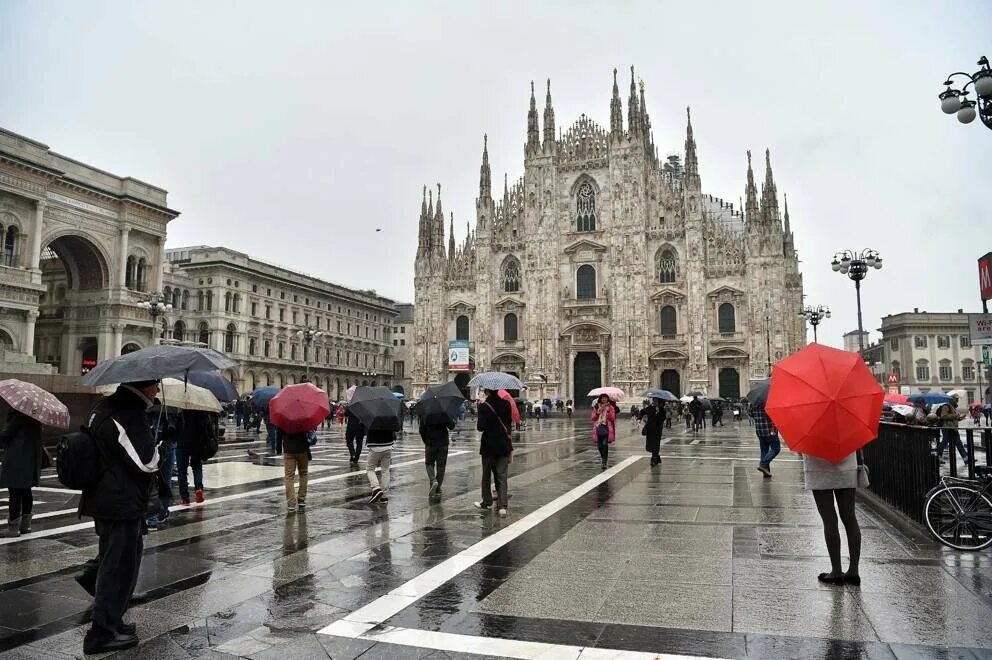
{"x":178,"y":394}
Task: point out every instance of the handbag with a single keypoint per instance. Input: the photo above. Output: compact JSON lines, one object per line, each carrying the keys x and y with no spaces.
{"x":863,"y":479}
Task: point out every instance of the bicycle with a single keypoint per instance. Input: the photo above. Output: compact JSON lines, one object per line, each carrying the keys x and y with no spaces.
{"x":958,"y":513}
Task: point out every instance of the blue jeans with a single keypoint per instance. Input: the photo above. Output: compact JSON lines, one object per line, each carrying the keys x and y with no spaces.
{"x":946,"y":437}
{"x":270,"y":437}
{"x":167,"y":454}
{"x":187,"y":461}
{"x":770,"y":447}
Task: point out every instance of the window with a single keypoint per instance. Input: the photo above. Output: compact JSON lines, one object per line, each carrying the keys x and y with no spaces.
{"x":403,"y":330}
{"x":337,"y":357}
{"x":965,"y":341}
{"x":9,"y":256}
{"x":251,"y":346}
{"x":281,"y":349}
{"x":227,"y":302}
{"x":268,"y":347}
{"x":204,"y":333}
{"x":141,"y":275}
{"x":726,"y":319}
{"x":254,"y":309}
{"x":292,"y":351}
{"x":295,"y":316}
{"x":511,"y":275}
{"x":970,"y":394}
{"x":896,"y":368}
{"x":254,"y":288}
{"x":461,"y":328}
{"x":919,"y":341}
{"x":668,"y":321}
{"x":339,"y":326}
{"x":282,"y":314}
{"x":667,"y":265}
{"x":268,"y":312}
{"x":945,"y":371}
{"x":177,"y":298}
{"x":199,"y":301}
{"x":894,"y":344}
{"x":585,"y":206}
{"x":179,"y":331}
{"x":185,"y":304}
{"x":968,"y":370}
{"x":210,"y":301}
{"x":399,"y":369}
{"x":943,"y":341}
{"x":236,"y":304}
{"x":402,"y":342}
{"x":585,"y":283}
{"x":922,"y":370}
{"x":510,"y":327}
{"x":129,"y":272}
{"x":396,"y":342}
{"x":229,"y":338}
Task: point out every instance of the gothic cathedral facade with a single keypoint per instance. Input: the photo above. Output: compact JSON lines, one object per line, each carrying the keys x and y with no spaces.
{"x":606,"y":265}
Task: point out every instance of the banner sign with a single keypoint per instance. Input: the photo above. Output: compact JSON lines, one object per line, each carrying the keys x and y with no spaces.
{"x":980,"y":329}
{"x":458,"y":355}
{"x":985,"y":276}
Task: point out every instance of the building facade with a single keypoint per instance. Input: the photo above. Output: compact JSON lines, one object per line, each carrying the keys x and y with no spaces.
{"x":79,"y":248}
{"x":604,"y":264}
{"x":402,"y":347}
{"x":932,"y":352}
{"x":851,"y":342}
{"x":255,"y":311}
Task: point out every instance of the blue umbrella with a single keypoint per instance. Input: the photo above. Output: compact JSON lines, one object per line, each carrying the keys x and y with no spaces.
{"x":219,"y":386}
{"x":930,"y":398}
{"x":496,"y":380}
{"x":398,"y":395}
{"x":261,"y":396}
{"x":664,"y":395}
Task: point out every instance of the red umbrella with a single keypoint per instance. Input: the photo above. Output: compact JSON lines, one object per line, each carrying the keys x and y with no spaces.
{"x":902,"y":399}
{"x":34,"y":402}
{"x":824,"y":402}
{"x":514,"y":411}
{"x":299,"y":408}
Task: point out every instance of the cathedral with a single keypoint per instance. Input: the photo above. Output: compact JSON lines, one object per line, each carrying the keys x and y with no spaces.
{"x":607,"y":265}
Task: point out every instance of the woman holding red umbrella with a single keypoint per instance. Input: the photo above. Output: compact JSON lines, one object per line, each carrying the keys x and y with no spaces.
{"x":836,"y":482}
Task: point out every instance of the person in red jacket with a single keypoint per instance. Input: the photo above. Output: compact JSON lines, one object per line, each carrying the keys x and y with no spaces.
{"x":604,"y":417}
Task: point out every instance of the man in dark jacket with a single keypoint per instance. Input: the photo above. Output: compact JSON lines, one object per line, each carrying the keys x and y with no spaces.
{"x":295,"y":458}
{"x":354,"y":432}
{"x":495,"y":449}
{"x":434,"y":433}
{"x":118,"y":503}
{"x":194,"y":430}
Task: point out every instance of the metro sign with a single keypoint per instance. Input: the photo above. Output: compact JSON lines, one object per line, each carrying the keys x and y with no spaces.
{"x":985,"y":276}
{"x":894,"y":379}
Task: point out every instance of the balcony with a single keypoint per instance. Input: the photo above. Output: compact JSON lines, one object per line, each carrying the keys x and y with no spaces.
{"x":663,"y":341}
{"x":586,"y":307}
{"x":727,"y":339}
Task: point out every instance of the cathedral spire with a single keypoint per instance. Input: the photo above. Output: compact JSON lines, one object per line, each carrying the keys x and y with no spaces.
{"x":485,"y":176}
{"x":751,"y":195}
{"x":788,"y":228}
{"x":533,"y":130}
{"x":691,"y":161}
{"x":645,"y":119}
{"x":769,"y":195}
{"x":633,"y":112}
{"x":421,"y":233}
{"x":616,"y":111}
{"x":439,"y":223}
{"x":549,"y":121}
{"x":451,"y":237}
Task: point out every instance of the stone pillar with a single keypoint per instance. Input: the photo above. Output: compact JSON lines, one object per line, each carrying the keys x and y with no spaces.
{"x":104,"y":344}
{"x":118,"y":339}
{"x":122,"y":255}
{"x":159,"y":267}
{"x":570,"y":376}
{"x":34,"y":255}
{"x":603,"y":371}
{"x":28,"y":343}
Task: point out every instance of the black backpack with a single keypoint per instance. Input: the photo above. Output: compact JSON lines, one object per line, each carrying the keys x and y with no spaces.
{"x":211,"y":442}
{"x":78,"y":460}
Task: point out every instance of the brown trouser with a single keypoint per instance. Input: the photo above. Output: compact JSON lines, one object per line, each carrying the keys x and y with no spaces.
{"x":292,"y":463}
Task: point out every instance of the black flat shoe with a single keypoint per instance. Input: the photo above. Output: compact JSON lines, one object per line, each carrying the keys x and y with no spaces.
{"x":827,"y":578}
{"x":118,"y":642}
{"x":853,"y":579}
{"x":127,"y":629}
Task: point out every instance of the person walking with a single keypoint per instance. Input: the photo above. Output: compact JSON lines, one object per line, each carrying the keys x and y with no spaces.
{"x":948,"y":418}
{"x":129,"y":456}
{"x":836,"y":482}
{"x":196,"y":428}
{"x":695,"y":409}
{"x":768,"y":440}
{"x":380,"y":443}
{"x":296,"y":460}
{"x":239,"y":412}
{"x":21,"y":469}
{"x":603,"y":418}
{"x":435,"y":437}
{"x":168,"y":424}
{"x":496,"y":449}
{"x":354,"y":432}
{"x":653,"y":416}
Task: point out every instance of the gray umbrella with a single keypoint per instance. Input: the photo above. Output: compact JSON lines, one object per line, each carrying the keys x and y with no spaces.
{"x":156,"y":362}
{"x":759,"y":393}
{"x":440,"y":402}
{"x":496,"y":380}
{"x":376,"y":408}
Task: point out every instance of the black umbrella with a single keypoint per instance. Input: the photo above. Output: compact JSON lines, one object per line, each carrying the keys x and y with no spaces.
{"x":156,"y":362}
{"x":758,"y":394}
{"x":376,"y":408}
{"x":440,"y":403}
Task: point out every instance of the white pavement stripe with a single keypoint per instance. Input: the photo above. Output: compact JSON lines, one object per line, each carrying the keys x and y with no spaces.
{"x":406,"y":594}
{"x":46,"y":489}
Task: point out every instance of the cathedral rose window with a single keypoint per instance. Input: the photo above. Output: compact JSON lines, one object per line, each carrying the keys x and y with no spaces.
{"x":586,"y":208}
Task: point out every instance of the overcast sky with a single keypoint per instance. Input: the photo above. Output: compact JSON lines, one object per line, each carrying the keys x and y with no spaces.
{"x":292,"y":130}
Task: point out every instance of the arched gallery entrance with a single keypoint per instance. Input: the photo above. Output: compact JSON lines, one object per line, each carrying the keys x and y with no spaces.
{"x":671,"y":381}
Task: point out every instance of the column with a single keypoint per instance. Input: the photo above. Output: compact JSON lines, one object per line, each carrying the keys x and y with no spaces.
{"x":104,"y":344}
{"x":602,"y":367}
{"x":122,"y":255}
{"x":156,"y":283}
{"x":34,"y":255}
{"x":27,"y":346}
{"x":118,"y":339}
{"x":569,"y":376}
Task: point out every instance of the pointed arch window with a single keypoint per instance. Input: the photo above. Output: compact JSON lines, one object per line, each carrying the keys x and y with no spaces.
{"x":667,"y":265}
{"x":9,"y":237}
{"x":229,"y":338}
{"x":204,"y":333}
{"x":510,"y":327}
{"x":179,"y":331}
{"x":585,"y":208}
{"x":669,"y":321}
{"x":726,"y":318}
{"x":511,"y":276}
{"x":585,"y":282}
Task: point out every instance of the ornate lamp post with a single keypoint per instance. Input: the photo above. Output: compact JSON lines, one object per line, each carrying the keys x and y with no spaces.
{"x":156,"y":306}
{"x":308,"y":335}
{"x":855,"y":265}
{"x":954,"y":101}
{"x":814,"y":315}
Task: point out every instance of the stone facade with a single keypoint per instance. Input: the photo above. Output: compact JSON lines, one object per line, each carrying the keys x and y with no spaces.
{"x":403,"y":347}
{"x":253,"y":311}
{"x":79,"y":247}
{"x":604,"y":264}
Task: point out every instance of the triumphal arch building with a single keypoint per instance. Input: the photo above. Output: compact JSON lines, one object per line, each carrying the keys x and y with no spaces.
{"x":79,"y":248}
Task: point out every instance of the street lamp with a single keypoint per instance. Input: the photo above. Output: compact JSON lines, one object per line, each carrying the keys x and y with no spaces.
{"x":156,"y":306}
{"x":370,"y":373}
{"x":954,"y":101}
{"x":814,"y":315}
{"x":855,"y":265}
{"x":308,"y":335}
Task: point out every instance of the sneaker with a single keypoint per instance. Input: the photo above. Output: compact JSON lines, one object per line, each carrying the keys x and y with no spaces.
{"x":301,"y":507}
{"x":481,"y":505}
{"x":383,"y":498}
{"x":376,"y":496}
{"x":502,"y":513}
{"x":199,"y":496}
{"x":164,"y":515}
{"x":765,"y":471}
{"x":152,"y":522}
{"x":433,"y":490}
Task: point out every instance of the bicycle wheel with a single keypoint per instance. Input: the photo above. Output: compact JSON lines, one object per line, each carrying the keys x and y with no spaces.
{"x":960,"y":517}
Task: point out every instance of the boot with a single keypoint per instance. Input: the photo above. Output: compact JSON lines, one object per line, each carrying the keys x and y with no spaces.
{"x":13,"y":529}
{"x":25,"y":527}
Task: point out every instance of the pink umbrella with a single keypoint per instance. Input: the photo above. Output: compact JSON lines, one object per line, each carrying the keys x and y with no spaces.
{"x":34,"y":402}
{"x":514,"y":411}
{"x":614,"y":393}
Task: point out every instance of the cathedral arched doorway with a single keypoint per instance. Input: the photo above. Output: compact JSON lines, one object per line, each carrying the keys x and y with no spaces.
{"x":588,"y":375}
{"x":729,"y":383}
{"x":671,"y":381}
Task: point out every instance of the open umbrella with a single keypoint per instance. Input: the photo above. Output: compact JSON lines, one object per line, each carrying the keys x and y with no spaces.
{"x":664,"y":395}
{"x":219,"y":386}
{"x":514,"y":410}
{"x":155,"y":363}
{"x":262,"y":395}
{"x":299,"y":408}
{"x":376,"y":408}
{"x":350,"y":392}
{"x":34,"y":402}
{"x":929,"y":398}
{"x":496,"y":380}
{"x":825,"y":402}
{"x":439,"y":403}
{"x":614,"y":393}
{"x":900,"y":399}
{"x":178,"y":394}
{"x":398,"y":395}
{"x":758,"y":394}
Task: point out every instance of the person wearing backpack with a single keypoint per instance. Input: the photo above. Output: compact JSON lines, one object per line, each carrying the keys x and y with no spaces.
{"x":496,"y":448}
{"x":118,"y":502}
{"x":21,"y":469}
{"x":434,"y":433}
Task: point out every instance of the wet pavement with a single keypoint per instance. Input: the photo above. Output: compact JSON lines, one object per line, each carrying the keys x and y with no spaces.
{"x":699,"y":557}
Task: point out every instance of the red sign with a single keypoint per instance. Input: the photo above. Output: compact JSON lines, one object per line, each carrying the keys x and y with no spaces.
{"x":893,"y":390}
{"x":894,"y":379}
{"x":985,"y":276}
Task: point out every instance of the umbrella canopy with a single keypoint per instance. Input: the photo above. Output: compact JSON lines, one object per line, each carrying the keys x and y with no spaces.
{"x":350,"y":392}
{"x":376,"y":408}
{"x":977,"y":405}
{"x":825,"y":402}
{"x":514,"y":410}
{"x":703,"y":400}
{"x":219,"y":386}
{"x":263,"y":395}
{"x":34,"y":402}
{"x":930,"y":398}
{"x":299,"y":408}
{"x":905,"y":411}
{"x":178,"y":394}
{"x":155,"y":363}
{"x":901,"y":399}
{"x":398,"y":395}
{"x":664,"y":395}
{"x":614,"y":393}
{"x":758,"y":394}
{"x":496,"y":380}
{"x":439,"y":403}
